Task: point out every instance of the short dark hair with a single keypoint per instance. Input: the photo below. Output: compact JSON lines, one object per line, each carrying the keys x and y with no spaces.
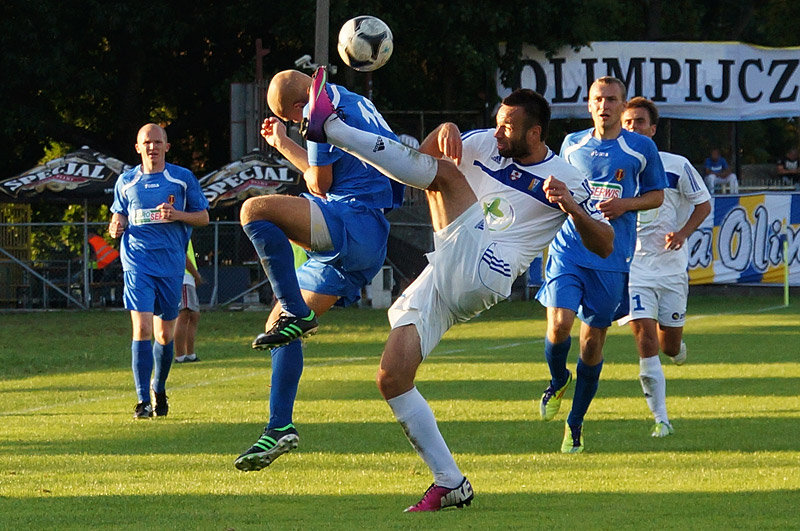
{"x":537,"y":110}
{"x":643,"y":103}
{"x":611,"y":80}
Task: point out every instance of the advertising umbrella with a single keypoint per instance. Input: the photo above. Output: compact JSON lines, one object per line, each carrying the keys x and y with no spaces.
{"x":254,"y":174}
{"x":82,"y":176}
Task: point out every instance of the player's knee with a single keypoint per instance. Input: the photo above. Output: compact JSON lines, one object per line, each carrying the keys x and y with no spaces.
{"x":250,"y":210}
{"x":392,"y":383}
{"x":447,"y":176}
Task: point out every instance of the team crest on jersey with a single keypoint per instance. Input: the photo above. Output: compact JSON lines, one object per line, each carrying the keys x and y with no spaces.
{"x":171,"y":199}
{"x":604,"y":191}
{"x":619,"y":175}
{"x":515,"y":174}
{"x":498,"y":213}
{"x":646,"y":217}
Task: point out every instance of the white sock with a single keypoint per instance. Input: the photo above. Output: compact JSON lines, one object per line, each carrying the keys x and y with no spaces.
{"x":654,"y":386}
{"x":393,"y":159}
{"x":415,"y":415}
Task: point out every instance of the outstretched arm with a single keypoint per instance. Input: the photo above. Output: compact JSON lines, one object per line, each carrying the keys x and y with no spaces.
{"x":596,"y":235}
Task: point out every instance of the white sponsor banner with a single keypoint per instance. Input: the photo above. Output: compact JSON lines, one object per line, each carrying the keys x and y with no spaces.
{"x":689,"y":80}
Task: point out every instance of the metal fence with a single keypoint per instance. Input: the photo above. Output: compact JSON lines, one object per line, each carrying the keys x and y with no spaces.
{"x":60,"y":269}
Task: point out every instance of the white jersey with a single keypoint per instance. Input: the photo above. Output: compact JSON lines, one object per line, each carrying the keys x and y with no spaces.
{"x":685,"y":190}
{"x":514,"y":205}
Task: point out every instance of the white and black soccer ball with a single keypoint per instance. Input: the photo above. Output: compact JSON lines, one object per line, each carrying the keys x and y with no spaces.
{"x":365,"y":43}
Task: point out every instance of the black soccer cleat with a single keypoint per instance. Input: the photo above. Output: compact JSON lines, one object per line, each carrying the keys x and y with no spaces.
{"x":286,"y":329}
{"x":162,"y":405}
{"x":143,"y":410}
{"x":273,"y":443}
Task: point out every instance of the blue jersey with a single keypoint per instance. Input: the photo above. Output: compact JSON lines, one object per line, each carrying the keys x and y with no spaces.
{"x":626,"y":166}
{"x":716,"y":166}
{"x":149,"y":244}
{"x":352,"y":178}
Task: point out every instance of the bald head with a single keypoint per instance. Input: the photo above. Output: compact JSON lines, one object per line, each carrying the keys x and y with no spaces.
{"x":152,"y":130}
{"x":152,"y":145}
{"x":288,"y":94}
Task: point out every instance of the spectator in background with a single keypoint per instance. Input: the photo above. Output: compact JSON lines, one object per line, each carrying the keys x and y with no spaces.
{"x":717,"y":171}
{"x":188,"y":311}
{"x":789,"y":169}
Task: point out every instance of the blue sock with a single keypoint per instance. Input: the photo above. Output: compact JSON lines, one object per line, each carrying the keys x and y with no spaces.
{"x":556,"y":356}
{"x":142,"y":364}
{"x":277,"y":259}
{"x":585,"y":388}
{"x":163,"y":358}
{"x":287,"y":366}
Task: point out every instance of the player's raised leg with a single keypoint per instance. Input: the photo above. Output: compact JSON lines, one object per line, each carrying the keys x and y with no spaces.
{"x":390,"y":157}
{"x":266,"y":220}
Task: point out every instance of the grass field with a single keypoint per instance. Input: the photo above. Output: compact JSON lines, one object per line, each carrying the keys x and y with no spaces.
{"x":72,"y":457}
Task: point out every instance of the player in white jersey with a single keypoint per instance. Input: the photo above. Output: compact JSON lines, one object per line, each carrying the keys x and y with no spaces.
{"x":659,"y":282}
{"x":491,"y":213}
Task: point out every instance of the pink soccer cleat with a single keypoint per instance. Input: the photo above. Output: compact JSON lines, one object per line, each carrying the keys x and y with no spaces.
{"x":437,"y":497}
{"x":320,"y":108}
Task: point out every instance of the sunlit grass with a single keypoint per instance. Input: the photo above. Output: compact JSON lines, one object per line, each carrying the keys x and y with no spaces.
{"x":72,"y":457}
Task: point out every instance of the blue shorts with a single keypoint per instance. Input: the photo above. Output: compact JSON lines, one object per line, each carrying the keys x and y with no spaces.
{"x":359,"y":235}
{"x":159,"y":295}
{"x":597,"y":297}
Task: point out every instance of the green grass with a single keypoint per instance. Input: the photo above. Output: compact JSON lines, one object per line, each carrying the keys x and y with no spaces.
{"x":72,"y":457}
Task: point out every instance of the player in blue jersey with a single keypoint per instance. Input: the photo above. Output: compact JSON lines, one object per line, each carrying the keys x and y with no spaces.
{"x":626,"y":175}
{"x":659,"y":281}
{"x":341,"y":225}
{"x":497,"y":197}
{"x":156,"y":204}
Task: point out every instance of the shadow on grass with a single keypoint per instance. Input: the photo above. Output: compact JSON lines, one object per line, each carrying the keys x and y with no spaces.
{"x":492,"y":390}
{"x":638,"y":510}
{"x":506,"y":437}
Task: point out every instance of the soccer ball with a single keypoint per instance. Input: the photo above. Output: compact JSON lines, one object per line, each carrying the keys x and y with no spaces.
{"x":365,"y":43}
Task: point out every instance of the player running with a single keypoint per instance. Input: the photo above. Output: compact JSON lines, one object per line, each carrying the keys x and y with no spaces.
{"x":492,"y":212}
{"x":156,"y":204}
{"x":340,"y":223}
{"x":659,"y":282}
{"x":625,"y":175}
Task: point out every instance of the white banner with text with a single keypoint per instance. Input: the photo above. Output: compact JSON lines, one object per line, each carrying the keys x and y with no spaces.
{"x":688,"y":80}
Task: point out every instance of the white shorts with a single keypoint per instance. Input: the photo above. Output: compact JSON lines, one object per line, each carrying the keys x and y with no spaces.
{"x":663,"y":300}
{"x":466,"y":273}
{"x":189,"y":300}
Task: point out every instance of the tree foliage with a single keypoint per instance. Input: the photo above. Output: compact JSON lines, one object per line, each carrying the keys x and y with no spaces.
{"x":92,"y":72}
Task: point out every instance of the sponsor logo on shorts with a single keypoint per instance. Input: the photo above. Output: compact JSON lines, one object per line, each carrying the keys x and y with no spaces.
{"x":678,"y":316}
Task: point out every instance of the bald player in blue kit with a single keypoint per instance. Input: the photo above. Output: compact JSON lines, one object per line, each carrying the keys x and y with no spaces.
{"x":156,"y":204}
